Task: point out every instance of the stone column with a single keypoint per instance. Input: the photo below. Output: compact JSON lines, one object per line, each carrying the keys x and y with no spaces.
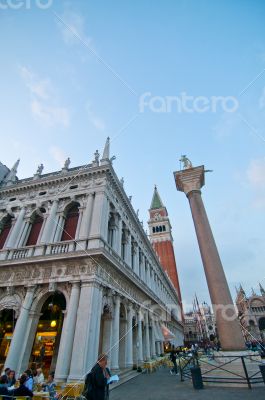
{"x":140,"y":337}
{"x":147,"y":337}
{"x":16,"y":230}
{"x":59,"y":226}
{"x":190,"y":182}
{"x":86,"y":218}
{"x":116,"y":334}
{"x":136,"y":257}
{"x":14,"y":356}
{"x":86,"y":340}
{"x":153,"y":342}
{"x":50,"y":225}
{"x":129,"y":337}
{"x":147,"y":273}
{"x":99,"y":221}
{"x":25,"y":233}
{"x":67,"y":338}
{"x":107,"y":337}
{"x":128,"y":248}
{"x":119,"y":235}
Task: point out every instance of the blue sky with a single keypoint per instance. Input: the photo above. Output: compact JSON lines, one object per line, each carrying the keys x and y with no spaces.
{"x":74,"y":73}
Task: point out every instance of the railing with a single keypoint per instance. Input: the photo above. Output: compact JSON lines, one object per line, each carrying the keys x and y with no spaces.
{"x":224,"y":369}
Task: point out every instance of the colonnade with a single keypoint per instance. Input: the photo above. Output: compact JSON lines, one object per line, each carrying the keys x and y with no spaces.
{"x":127,"y":333}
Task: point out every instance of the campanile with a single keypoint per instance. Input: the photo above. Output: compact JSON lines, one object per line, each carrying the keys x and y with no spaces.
{"x":162,"y":240}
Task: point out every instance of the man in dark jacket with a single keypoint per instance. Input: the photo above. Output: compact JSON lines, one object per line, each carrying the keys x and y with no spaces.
{"x":97,"y":379}
{"x":173,"y":358}
{"x":3,"y":387}
{"x":22,"y":390}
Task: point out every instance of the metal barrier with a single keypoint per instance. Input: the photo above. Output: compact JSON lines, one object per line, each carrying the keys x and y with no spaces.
{"x":223,"y":369}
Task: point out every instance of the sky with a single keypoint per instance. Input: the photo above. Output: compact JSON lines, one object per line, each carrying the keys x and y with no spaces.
{"x":162,"y":79}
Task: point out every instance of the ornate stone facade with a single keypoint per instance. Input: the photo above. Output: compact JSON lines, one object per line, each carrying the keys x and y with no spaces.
{"x":75,"y":232}
{"x":251,"y":313}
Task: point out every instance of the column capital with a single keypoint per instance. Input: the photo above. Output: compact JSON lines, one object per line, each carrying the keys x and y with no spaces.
{"x":190,"y":179}
{"x":75,"y":283}
{"x":31,"y":288}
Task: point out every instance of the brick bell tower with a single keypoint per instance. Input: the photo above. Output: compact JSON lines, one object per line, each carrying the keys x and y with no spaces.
{"x":162,"y":240}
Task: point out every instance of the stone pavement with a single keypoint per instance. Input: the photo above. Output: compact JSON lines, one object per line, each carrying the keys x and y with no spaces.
{"x":162,"y":386}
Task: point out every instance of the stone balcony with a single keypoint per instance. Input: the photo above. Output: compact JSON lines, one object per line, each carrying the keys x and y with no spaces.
{"x":74,"y":248}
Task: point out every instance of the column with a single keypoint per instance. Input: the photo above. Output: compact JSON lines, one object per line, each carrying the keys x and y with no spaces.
{"x":99,"y":221}
{"x":129,"y":337}
{"x":115,"y":334}
{"x":147,"y":337}
{"x":107,"y":337}
{"x":25,"y":233}
{"x":128,"y":248}
{"x":50,"y":225}
{"x":14,"y":356}
{"x":140,"y":337}
{"x":86,"y":338}
{"x":161,"y":347}
{"x":16,"y":230}
{"x":190,"y":182}
{"x":136,"y":257}
{"x":148,"y":278}
{"x":67,"y":338}
{"x":86,"y":218}
{"x":119,"y":235}
{"x":153,"y":342}
{"x":59,"y":226}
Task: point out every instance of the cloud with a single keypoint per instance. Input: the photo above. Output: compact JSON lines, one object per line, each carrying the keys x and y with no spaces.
{"x":50,"y":115}
{"x":71,"y":26}
{"x":227,"y":125}
{"x":256,"y":173}
{"x":43,"y":103}
{"x":256,"y":178}
{"x":97,"y":122}
{"x":58,"y":155}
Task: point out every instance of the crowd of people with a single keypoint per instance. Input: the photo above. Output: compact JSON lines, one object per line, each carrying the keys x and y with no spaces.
{"x":26,"y":384}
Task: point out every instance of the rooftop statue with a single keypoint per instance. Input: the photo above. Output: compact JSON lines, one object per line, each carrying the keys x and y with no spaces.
{"x":67,"y":163}
{"x":186,"y":162}
{"x":40,"y":169}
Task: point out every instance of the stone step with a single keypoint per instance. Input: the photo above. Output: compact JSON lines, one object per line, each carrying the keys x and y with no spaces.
{"x":125,"y":376}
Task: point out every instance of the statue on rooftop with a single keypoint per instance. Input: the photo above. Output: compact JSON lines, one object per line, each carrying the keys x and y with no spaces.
{"x":40,"y":169}
{"x":186,"y":162}
{"x":67,"y":163}
{"x":97,"y":155}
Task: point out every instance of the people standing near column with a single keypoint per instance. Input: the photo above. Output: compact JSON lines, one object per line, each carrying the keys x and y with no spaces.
{"x":96,"y":383}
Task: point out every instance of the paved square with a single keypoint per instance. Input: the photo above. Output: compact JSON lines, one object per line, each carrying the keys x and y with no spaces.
{"x":162,"y":386}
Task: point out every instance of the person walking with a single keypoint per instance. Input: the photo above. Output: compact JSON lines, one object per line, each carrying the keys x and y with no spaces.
{"x":96,"y":383}
{"x":173,"y":359}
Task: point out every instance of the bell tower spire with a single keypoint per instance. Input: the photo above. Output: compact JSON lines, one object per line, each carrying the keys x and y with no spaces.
{"x":161,"y":238}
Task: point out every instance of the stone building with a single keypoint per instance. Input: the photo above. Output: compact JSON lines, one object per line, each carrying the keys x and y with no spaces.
{"x":199,"y":324}
{"x":78,"y":274}
{"x":251,"y":313}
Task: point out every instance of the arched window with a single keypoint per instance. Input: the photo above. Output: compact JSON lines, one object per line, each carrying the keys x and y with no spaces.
{"x":70,"y":223}
{"x":35,"y":229}
{"x":164,"y":228}
{"x":154,"y":229}
{"x":160,"y":229}
{"x":5,"y":227}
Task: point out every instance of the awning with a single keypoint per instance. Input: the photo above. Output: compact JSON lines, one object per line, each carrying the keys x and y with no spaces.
{"x":158,"y":333}
{"x":167,"y":334}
